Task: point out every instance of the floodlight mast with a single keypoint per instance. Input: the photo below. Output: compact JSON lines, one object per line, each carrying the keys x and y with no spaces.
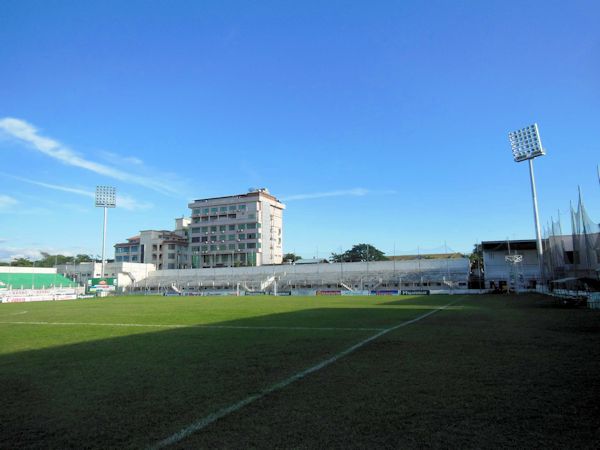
{"x":527,"y":145}
{"x":105,"y":198}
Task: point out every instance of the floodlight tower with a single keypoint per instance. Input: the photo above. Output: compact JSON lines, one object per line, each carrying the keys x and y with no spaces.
{"x":105,"y":198}
{"x":527,"y":145}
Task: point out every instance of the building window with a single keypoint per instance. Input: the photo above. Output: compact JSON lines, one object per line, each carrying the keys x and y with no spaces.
{"x":196,"y":239}
{"x":231,"y":227}
{"x":231,"y":246}
{"x":203,"y":239}
{"x":223,"y":209}
{"x":205,"y":248}
{"x":232,"y":208}
{"x":213,"y":228}
{"x":204,"y":210}
{"x":242,"y":207}
{"x":171,"y":255}
{"x":222,"y":228}
{"x":214,"y":210}
{"x":171,"y":266}
{"x":171,"y":246}
{"x":213,"y":248}
{"x":241,"y":246}
{"x":251,"y":225}
{"x":251,"y":216}
{"x":222,"y":247}
{"x":231,"y":237}
{"x":204,"y":229}
{"x":242,"y":236}
{"x":196,"y":229}
{"x":196,"y":211}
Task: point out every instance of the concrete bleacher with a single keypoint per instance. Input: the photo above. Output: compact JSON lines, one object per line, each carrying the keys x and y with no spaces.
{"x":34,"y":281}
{"x":432,"y":273}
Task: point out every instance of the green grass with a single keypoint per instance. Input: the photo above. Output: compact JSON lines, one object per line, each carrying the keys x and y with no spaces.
{"x":486,"y":372}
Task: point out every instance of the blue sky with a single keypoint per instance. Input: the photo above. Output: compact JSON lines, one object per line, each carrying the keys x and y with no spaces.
{"x":390,"y":117}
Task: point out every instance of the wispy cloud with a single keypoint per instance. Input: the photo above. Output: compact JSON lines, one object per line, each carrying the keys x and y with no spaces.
{"x":126,"y":202}
{"x":6,"y":201}
{"x":8,"y":253}
{"x":356,"y":192}
{"x":119,"y":159}
{"x":28,"y":134}
{"x":123,"y":200}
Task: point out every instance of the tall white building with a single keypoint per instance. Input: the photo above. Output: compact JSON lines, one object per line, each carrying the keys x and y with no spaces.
{"x":237,"y":230}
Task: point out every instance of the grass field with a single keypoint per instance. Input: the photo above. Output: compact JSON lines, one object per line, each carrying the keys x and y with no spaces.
{"x":130,"y":372}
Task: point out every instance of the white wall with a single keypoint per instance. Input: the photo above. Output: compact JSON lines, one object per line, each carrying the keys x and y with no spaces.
{"x":10,"y":269}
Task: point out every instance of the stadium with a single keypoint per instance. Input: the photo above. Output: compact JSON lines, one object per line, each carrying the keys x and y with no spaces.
{"x":395,"y":353}
{"x":296,"y":225}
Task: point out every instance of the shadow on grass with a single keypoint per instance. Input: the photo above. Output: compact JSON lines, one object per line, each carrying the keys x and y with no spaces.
{"x":130,"y":391}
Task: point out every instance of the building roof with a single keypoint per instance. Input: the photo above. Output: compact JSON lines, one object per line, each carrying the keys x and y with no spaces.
{"x":520,"y":244}
{"x":257,"y":193}
{"x":311,"y":261}
{"x":425,"y":256}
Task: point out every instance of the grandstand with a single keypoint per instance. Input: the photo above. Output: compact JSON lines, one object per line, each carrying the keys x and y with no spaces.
{"x":423,"y":274}
{"x":34,"y":280}
{"x":24,"y":284}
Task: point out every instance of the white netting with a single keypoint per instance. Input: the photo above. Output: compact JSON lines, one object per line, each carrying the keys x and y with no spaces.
{"x":577,"y":254}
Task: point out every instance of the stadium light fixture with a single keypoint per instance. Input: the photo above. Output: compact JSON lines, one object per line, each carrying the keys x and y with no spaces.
{"x":106,"y":197}
{"x":526,"y":145}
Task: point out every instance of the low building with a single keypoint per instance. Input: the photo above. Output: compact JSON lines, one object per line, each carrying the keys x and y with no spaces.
{"x":126,"y":272}
{"x":164,"y":248}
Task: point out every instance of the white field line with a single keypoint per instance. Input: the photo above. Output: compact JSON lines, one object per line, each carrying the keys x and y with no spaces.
{"x":225,"y":327}
{"x":205,"y":421}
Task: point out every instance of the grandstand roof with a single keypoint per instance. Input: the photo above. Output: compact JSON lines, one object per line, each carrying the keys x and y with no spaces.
{"x":521,"y":244}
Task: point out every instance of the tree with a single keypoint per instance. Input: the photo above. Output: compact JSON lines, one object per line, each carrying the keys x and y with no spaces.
{"x":359,"y":252}
{"x":476,"y":257}
{"x":82,"y":258}
{"x":21,"y":262}
{"x":291,"y":257}
{"x":49,"y":260}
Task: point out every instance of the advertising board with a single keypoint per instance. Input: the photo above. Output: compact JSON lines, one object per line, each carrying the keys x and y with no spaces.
{"x":329,"y":292}
{"x":414,"y":292}
{"x":102,"y":285}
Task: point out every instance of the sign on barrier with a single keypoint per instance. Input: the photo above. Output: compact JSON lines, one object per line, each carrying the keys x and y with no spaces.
{"x":329,"y":292}
{"x":356,"y":293}
{"x":414,"y":292}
